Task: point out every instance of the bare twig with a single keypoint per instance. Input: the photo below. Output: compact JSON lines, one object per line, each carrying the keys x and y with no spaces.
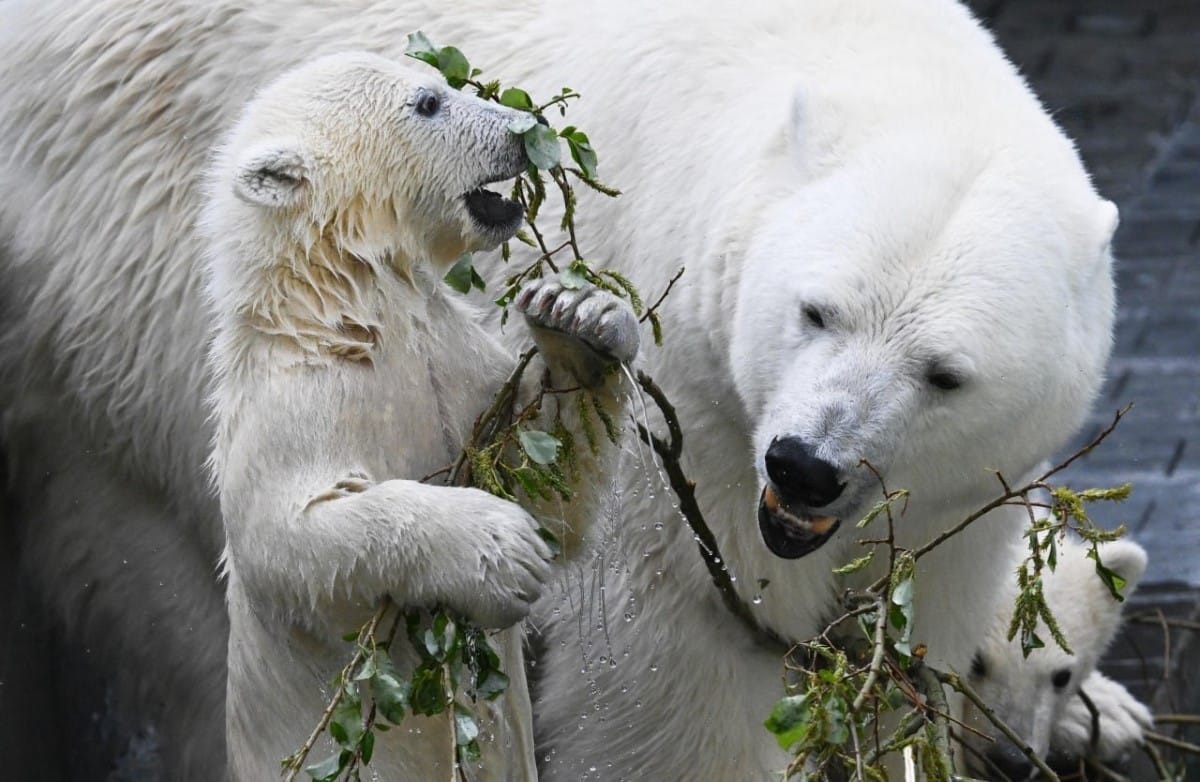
{"x":658,"y":302}
{"x":669,"y":451}
{"x":876,"y":657}
{"x":957,"y":683}
{"x":1174,"y":743}
{"x":1160,"y":766}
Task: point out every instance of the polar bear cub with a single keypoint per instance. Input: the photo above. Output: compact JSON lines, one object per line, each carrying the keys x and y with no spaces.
{"x":1038,"y":695}
{"x":346,"y":370}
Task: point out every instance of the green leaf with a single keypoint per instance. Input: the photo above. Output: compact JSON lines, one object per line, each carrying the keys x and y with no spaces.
{"x":428,"y":695}
{"x":789,"y":720}
{"x":1111,"y":578}
{"x":421,"y":48}
{"x":541,"y":145}
{"x":465,"y":728}
{"x":433,"y":644}
{"x":351,"y":636}
{"x":517,"y":99}
{"x":1030,"y":641}
{"x":506,"y":298}
{"x":454,"y":66}
{"x":329,"y":768}
{"x":540,"y":446}
{"x":368,"y":748}
{"x":389,"y":691}
{"x":574,"y":276}
{"x":491,"y":685}
{"x":462,"y":274}
{"x":522,"y":124}
{"x":856,"y":565}
{"x":581,"y":151}
{"x":346,"y":724}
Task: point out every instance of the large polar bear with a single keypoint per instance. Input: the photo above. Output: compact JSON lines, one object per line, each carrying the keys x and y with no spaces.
{"x":1038,"y":695}
{"x":893,"y":255}
{"x":345,"y":369}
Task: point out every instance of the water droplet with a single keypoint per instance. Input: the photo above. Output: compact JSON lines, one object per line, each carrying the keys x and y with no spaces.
{"x":756,"y":599}
{"x":653,"y":667}
{"x":658,"y":525}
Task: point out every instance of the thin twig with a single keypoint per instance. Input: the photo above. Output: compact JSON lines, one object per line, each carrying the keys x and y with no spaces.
{"x":936,"y":697}
{"x":658,"y":302}
{"x":877,"y":656}
{"x":1010,"y":494}
{"x":669,"y":451}
{"x":1174,"y":743}
{"x":1156,"y":758}
{"x":957,"y":683}
{"x":1181,"y":719}
{"x":296,"y":761}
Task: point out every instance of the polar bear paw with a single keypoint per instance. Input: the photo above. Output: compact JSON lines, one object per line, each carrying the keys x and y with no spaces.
{"x":502,"y":562}
{"x":587,"y":330}
{"x":1122,"y":721}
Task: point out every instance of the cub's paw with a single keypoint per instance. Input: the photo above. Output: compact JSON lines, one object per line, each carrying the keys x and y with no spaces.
{"x":503,"y":563}
{"x":1122,"y":721}
{"x":586,"y":330}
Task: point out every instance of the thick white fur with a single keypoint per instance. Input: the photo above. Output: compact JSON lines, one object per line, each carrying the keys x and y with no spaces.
{"x":1123,"y":722}
{"x":880,"y":159}
{"x":344,"y":371}
{"x":1022,"y":689}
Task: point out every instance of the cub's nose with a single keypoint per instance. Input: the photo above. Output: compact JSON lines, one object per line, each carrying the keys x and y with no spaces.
{"x":800,"y":475}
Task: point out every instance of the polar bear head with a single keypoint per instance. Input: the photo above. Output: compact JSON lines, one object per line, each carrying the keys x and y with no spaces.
{"x":935,"y":310}
{"x":342,"y":170}
{"x":383,"y":162}
{"x":1032,"y":694}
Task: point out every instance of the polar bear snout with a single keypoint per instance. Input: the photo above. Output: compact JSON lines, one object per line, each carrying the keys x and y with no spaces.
{"x":798,"y":482}
{"x":800,"y":475}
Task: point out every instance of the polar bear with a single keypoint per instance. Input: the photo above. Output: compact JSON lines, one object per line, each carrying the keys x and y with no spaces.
{"x":343,"y":372}
{"x":892,"y":252}
{"x":1038,"y":696}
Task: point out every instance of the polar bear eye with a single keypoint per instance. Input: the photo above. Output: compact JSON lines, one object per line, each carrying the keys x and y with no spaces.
{"x":814,"y":317}
{"x":946,"y":381}
{"x":428,"y":104}
{"x":1061,"y":678}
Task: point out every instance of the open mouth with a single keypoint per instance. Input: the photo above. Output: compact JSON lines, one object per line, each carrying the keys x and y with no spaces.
{"x":492,"y":211}
{"x":790,"y":533}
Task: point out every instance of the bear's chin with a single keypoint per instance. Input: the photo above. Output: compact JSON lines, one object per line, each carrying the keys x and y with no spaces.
{"x":495,"y":216}
{"x":789,"y":535}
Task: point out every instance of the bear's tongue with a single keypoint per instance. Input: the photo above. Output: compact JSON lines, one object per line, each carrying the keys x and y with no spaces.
{"x":491,"y":210}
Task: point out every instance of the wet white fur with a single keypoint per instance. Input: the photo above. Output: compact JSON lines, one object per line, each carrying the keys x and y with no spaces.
{"x":881,"y":159}
{"x":345,"y":370}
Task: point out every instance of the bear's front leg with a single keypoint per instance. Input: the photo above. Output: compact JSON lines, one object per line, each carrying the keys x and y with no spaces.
{"x":582,"y":334}
{"x":586,"y":331}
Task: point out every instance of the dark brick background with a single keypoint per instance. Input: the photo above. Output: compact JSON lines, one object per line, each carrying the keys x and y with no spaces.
{"x":1122,"y":79}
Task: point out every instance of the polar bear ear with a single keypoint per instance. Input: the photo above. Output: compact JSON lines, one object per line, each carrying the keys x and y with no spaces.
{"x":1127,"y":559}
{"x":274,"y":175}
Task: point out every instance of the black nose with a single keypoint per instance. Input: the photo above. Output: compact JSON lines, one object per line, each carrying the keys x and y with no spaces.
{"x":541,"y":119}
{"x":1010,"y":760}
{"x":800,"y":475}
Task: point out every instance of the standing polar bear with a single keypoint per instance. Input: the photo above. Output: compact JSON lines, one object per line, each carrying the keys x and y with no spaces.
{"x":893,"y":255}
{"x":343,"y":372}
